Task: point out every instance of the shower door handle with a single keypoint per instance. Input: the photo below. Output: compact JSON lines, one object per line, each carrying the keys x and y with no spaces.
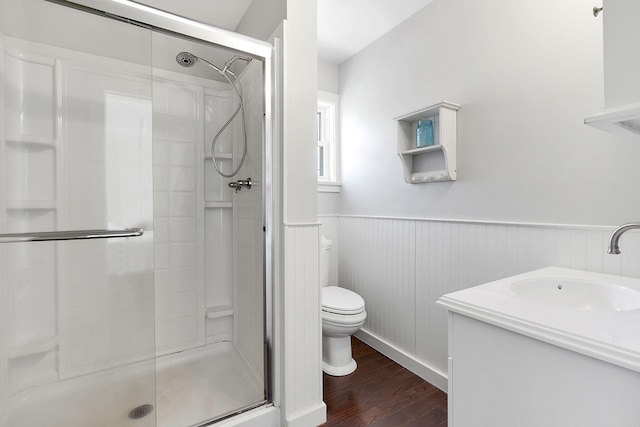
{"x":48,"y":236}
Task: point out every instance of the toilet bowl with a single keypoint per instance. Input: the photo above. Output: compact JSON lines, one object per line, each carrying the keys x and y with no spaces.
{"x":343,"y":314}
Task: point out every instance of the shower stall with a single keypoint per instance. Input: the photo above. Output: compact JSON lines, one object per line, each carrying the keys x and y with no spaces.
{"x":134,"y":285}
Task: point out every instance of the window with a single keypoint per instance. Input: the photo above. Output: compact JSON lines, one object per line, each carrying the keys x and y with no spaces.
{"x":328,"y":179}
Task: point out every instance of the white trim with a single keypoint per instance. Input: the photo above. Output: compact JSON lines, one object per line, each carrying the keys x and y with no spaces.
{"x":302,"y":224}
{"x":421,"y":369}
{"x":484,"y":222}
{"x":329,"y":187}
{"x":274,"y":233}
{"x":265,"y":416}
{"x":162,"y":20}
{"x":313,"y":417}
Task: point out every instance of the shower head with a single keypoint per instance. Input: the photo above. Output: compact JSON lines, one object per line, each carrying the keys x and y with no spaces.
{"x":186,"y":59}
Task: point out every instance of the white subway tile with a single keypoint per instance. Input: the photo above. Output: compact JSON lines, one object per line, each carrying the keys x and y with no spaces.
{"x":182,"y":154}
{"x":161,"y":203}
{"x":182,"y":229}
{"x":183,"y":255}
{"x":182,"y":178}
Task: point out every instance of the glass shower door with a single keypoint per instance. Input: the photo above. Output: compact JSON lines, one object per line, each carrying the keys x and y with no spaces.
{"x":76,"y":219}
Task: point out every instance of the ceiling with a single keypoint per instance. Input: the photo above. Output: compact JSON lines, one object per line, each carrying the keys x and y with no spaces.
{"x":221,"y":13}
{"x":347,"y":26}
{"x":344,"y":26}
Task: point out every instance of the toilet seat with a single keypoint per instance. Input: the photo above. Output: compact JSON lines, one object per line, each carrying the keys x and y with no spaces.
{"x":342,"y":301}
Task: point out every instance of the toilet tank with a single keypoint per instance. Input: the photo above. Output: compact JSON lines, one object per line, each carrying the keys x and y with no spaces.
{"x":325,"y":258}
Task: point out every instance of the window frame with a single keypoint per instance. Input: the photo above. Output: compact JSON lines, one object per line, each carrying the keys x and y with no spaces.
{"x":328,"y":129}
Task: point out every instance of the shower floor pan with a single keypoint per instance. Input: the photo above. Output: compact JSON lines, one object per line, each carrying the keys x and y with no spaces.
{"x":190,"y":387}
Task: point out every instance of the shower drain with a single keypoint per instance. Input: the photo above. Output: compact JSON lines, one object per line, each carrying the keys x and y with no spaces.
{"x":140,"y":411}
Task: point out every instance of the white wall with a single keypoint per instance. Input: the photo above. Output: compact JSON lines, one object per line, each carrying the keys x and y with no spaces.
{"x":526,"y":74}
{"x":328,"y":81}
{"x":328,"y":77}
{"x":299,"y":317}
{"x":300,"y":106}
{"x":262,"y":18}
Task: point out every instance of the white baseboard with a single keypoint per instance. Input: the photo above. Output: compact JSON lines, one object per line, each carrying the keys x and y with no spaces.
{"x":314,"y":417}
{"x":425,"y":372}
{"x":266,"y":416}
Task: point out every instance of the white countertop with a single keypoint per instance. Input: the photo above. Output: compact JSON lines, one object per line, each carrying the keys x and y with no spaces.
{"x":612,"y":336}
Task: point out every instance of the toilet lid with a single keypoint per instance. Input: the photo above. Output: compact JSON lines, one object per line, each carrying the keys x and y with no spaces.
{"x":341,"y":301}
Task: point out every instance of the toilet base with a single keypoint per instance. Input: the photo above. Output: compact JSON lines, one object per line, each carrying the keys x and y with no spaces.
{"x":336,"y":356}
{"x":339,"y":371}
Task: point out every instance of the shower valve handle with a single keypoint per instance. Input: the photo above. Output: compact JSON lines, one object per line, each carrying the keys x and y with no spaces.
{"x":241,"y":183}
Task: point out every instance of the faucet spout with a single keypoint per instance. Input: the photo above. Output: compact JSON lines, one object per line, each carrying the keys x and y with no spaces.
{"x":613,"y":248}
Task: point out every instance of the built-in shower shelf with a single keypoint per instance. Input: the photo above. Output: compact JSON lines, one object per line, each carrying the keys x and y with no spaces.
{"x":30,"y":141}
{"x":218,"y":311}
{"x":32,"y":348}
{"x":218,"y":205}
{"x":220,"y":156}
{"x":31,"y":204}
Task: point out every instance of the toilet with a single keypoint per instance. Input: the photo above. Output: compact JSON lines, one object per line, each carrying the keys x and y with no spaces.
{"x":343,"y":314}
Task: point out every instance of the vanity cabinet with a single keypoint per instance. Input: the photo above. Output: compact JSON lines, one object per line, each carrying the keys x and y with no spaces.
{"x":499,"y":378}
{"x":554,"y":347}
{"x":621,"y":33}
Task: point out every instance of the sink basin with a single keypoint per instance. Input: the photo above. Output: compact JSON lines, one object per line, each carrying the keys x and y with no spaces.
{"x":577,"y":294}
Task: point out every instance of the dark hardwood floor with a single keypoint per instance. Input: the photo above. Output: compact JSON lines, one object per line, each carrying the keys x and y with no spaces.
{"x":381,"y":393}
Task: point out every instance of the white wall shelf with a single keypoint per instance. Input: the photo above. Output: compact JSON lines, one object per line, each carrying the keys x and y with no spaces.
{"x":31,"y":204}
{"x":37,"y":346}
{"x":30,"y":141}
{"x":32,"y":166}
{"x":421,"y":164}
{"x":219,"y":156}
{"x":218,"y":205}
{"x":621,"y":113}
{"x":218,"y":311}
{"x":622,"y":121}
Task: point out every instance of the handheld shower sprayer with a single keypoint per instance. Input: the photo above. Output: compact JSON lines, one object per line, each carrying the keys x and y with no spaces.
{"x":188,"y":59}
{"x":229,"y":62}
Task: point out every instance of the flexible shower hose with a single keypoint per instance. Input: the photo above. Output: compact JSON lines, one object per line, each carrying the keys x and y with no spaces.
{"x":239,"y":108}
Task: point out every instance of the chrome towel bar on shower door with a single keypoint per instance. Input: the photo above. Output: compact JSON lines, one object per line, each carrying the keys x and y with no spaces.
{"x":47,"y":236}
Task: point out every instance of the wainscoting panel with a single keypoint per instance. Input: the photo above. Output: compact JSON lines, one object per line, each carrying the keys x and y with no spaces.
{"x":402,"y":266}
{"x":302,"y":327}
{"x":377,"y":260}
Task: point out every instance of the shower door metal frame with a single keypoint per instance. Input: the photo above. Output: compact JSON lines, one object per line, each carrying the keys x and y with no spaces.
{"x":164,"y":22}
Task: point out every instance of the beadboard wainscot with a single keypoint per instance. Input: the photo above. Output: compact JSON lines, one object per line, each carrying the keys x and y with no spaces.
{"x":401,"y":266}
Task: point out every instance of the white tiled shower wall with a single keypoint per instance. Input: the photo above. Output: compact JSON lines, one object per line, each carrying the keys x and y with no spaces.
{"x":74,"y":307}
{"x":402,"y":266}
{"x":78,"y":307}
{"x":178,"y":215}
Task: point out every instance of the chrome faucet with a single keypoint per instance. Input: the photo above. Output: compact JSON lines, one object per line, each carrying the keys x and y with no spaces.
{"x":615,"y":237}
{"x":247,"y":183}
